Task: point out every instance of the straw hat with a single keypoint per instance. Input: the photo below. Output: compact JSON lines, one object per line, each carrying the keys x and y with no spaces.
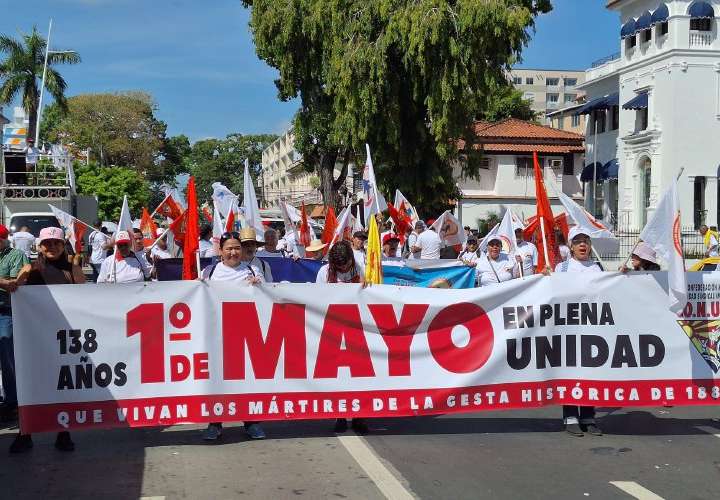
{"x":315,"y":245}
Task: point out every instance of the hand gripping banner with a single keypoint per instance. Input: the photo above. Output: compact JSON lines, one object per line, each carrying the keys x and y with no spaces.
{"x":147,"y":354}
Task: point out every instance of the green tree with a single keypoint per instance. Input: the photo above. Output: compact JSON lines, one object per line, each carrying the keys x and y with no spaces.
{"x":507,"y":102}
{"x":119,"y":129}
{"x":109,"y":185}
{"x":21,"y":72}
{"x":222,"y":160}
{"x":406,"y":76}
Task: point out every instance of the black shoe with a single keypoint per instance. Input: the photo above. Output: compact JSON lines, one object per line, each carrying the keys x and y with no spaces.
{"x":21,"y":443}
{"x":593,"y":429}
{"x":63,"y":442}
{"x":359,"y":426}
{"x":340,"y":425}
{"x":574,"y":429}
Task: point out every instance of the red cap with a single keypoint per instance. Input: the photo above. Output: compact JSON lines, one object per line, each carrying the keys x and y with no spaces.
{"x":4,"y":233}
{"x":390,"y":236}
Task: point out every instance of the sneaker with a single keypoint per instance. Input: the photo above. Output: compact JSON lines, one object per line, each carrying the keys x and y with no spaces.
{"x":359,"y":426}
{"x":255,"y":431}
{"x":574,"y":429}
{"x":213,"y":432}
{"x":63,"y":442}
{"x":21,"y":443}
{"x":593,"y":429}
{"x":340,"y":425}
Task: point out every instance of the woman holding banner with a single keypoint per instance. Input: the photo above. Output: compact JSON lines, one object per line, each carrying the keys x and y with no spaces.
{"x":579,"y":419}
{"x":497,"y":266}
{"x":239,"y":265}
{"x":52,"y":267}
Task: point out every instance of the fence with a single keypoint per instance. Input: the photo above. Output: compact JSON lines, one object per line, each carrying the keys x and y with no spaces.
{"x":692,"y":242}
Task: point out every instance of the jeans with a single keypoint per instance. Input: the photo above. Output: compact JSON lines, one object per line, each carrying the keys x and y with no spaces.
{"x":7,"y":360}
{"x":578,"y":414}
{"x":95,"y":271}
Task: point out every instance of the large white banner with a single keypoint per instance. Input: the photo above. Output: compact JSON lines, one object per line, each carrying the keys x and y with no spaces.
{"x":172,"y":352}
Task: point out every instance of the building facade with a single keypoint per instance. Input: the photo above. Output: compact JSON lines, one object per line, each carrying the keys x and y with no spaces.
{"x":506,"y":178}
{"x":548,"y":90}
{"x":567,"y":119}
{"x":654,"y":111}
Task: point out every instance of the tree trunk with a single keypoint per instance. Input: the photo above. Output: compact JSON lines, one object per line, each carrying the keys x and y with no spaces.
{"x":326,"y":170}
{"x":32,"y":118}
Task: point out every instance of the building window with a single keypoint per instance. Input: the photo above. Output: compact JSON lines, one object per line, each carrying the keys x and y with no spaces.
{"x":646,"y":171}
{"x":570,"y":98}
{"x":529,"y":80}
{"x":524,"y":166}
{"x":529,"y":96}
{"x":599,"y":118}
{"x":552,"y":97}
{"x":485,"y":163}
{"x":615,"y":117}
{"x":575,"y":120}
{"x":630,"y":42}
{"x":642,"y":119}
{"x":663,"y":29}
{"x":568,"y":167}
{"x":699,"y":211}
{"x":517,"y":80}
{"x":552,"y":82}
{"x":646,"y":36}
{"x":559,"y":122}
{"x":702,"y":24}
{"x":570,"y":82}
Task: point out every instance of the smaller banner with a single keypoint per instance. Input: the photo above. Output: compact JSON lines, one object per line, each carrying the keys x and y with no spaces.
{"x":430,"y":274}
{"x":283,"y":270}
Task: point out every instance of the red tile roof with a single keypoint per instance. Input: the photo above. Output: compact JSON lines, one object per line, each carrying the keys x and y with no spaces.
{"x":512,"y":127}
{"x":516,"y":135}
{"x":529,"y":148}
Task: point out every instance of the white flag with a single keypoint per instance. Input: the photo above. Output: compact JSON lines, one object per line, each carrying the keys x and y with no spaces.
{"x":662,"y":233}
{"x":506,"y":232}
{"x":483,"y":244}
{"x":449,"y":229}
{"x":344,"y":222}
{"x":218,"y":228}
{"x":403,"y":205}
{"x":67,"y":221}
{"x":582,"y":218}
{"x":125,"y":223}
{"x":372,"y":198}
{"x":357,"y":223}
{"x":251,"y":210}
{"x":223,"y":198}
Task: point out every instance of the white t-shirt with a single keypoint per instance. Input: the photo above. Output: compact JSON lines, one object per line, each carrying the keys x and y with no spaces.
{"x":359,"y":261}
{"x":159,"y":253}
{"x":412,"y":240}
{"x":564,"y":252}
{"x":131,"y":269}
{"x":713,"y":243}
{"x":264,"y":253}
{"x":31,"y":155}
{"x":468,"y":257}
{"x":242,"y":272}
{"x":529,"y":253}
{"x":97,"y":239}
{"x":429,"y":243}
{"x":348,"y":277}
{"x":206,"y":249}
{"x":498,"y":271}
{"x":572,"y":265}
{"x":23,"y":241}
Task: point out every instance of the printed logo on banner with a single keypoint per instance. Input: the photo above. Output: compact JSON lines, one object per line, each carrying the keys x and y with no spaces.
{"x":705,"y":336}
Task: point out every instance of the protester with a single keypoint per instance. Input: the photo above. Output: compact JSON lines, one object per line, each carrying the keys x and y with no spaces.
{"x":31,"y":159}
{"x":52,"y":267}
{"x":342,"y":268}
{"x":23,"y":240}
{"x":412,"y":239}
{"x":271,"y":248}
{"x":358,"y":247}
{"x":12,"y":261}
{"x":315,"y":249}
{"x":99,"y":243}
{"x":206,"y":247}
{"x":127,"y":267}
{"x":390,"y":243}
{"x":526,"y":253}
{"x":239,"y":265}
{"x":427,"y":243}
{"x":562,"y":245}
{"x":579,"y":419}
{"x":470,"y":255}
{"x":160,"y":250}
{"x":496,"y":267}
{"x":388,"y":230}
{"x":643,"y":258}
{"x":710,"y":240}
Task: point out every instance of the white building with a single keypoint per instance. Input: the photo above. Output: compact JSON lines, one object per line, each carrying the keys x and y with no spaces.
{"x":506,"y":178}
{"x":656,"y":108}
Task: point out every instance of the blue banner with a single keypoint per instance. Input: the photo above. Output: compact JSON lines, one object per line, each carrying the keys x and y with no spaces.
{"x":287,"y":270}
{"x":430,"y":277}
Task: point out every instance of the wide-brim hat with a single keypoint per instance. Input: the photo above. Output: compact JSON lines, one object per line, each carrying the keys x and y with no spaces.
{"x":315,"y":245}
{"x":645,"y":252}
{"x":248,"y":234}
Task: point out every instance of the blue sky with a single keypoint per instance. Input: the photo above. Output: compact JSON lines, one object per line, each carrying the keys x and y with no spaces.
{"x":197,"y":58}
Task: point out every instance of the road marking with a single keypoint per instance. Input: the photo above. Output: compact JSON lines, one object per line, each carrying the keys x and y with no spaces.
{"x":386,"y":482}
{"x":710,"y":430}
{"x":635,"y":490}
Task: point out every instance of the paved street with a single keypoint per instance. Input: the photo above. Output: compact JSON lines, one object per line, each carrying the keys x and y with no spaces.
{"x":669,"y":452}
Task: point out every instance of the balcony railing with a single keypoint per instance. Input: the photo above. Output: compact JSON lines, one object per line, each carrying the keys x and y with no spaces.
{"x":606,"y":59}
{"x":701,"y":38}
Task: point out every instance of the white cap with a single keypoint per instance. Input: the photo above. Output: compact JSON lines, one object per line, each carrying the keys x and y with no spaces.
{"x":122,"y":237}
{"x":576,"y":231}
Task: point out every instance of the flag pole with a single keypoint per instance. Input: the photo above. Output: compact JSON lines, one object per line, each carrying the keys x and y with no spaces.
{"x":544,"y":238}
{"x":160,"y":205}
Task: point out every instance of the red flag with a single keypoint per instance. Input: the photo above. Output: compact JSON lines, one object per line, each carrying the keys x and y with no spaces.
{"x":230,"y":222}
{"x":169,"y":208}
{"x":178,"y":229}
{"x":78,"y":233}
{"x":148,"y":228}
{"x":328,"y":233}
{"x":403,"y":224}
{"x":544,"y":226}
{"x":191,"y":245}
{"x":305,"y":229}
{"x":207,"y":214}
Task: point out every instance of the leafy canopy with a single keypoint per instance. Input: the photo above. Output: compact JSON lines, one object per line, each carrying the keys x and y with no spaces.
{"x":406,"y":76}
{"x":109,"y":184}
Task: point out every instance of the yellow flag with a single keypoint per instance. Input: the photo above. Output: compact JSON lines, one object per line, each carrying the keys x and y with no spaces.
{"x":373,"y":258}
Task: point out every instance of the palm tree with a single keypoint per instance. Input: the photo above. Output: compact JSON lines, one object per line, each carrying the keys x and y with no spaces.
{"x":22,"y":70}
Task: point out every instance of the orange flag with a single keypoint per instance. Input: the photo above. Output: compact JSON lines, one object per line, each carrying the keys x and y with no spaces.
{"x":544,"y":227}
{"x":305,"y":229}
{"x":169,"y":208}
{"x":191,"y":245}
{"x":148,"y":228}
{"x":329,"y":230}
